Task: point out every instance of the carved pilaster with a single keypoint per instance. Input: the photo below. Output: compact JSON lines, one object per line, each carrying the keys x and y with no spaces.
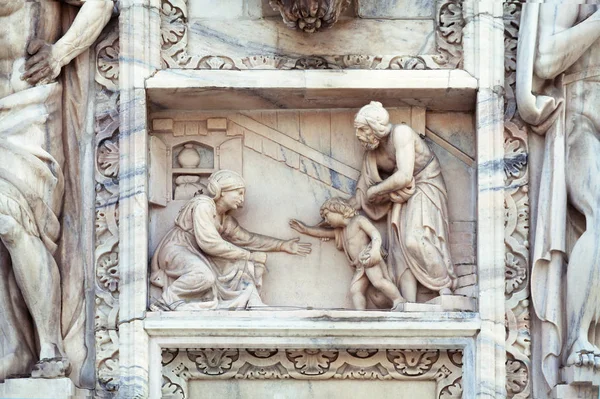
{"x":106,"y":256}
{"x":518,"y":341}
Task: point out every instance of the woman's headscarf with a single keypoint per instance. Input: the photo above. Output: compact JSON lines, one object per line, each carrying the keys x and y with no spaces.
{"x":224,"y":180}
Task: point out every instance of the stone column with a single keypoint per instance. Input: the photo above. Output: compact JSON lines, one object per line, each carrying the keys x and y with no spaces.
{"x":484,"y":59}
{"x":139,"y":27}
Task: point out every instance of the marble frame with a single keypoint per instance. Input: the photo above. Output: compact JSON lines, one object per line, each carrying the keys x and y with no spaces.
{"x":138,"y":345}
{"x":311,"y":329}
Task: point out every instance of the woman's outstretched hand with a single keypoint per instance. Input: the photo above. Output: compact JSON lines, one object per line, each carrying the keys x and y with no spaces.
{"x":295,"y":247}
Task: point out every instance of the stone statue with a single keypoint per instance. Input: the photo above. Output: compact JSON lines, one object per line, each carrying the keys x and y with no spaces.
{"x":208,"y":260}
{"x":42,"y":117}
{"x":558,"y":93}
{"x":361,"y":241}
{"x":401,"y":180}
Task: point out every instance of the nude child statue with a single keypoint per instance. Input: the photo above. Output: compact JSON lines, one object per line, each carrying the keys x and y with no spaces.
{"x":360,"y":240}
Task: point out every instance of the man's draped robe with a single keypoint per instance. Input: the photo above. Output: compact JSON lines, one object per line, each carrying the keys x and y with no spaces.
{"x":420,"y":210}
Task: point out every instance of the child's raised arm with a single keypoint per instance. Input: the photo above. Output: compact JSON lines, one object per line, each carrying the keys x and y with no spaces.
{"x":312,"y":231}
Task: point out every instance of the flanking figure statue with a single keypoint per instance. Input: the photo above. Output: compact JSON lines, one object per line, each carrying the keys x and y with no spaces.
{"x":207,"y":260}
{"x":44,"y":84}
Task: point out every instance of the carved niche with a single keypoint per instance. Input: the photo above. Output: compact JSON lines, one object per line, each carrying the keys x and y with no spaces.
{"x":310,"y":15}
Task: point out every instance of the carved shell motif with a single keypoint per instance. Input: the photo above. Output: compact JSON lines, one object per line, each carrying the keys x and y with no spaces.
{"x":310,"y":15}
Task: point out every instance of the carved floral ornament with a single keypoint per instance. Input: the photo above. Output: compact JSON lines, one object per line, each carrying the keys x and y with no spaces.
{"x":310,"y":15}
{"x":182,"y":366}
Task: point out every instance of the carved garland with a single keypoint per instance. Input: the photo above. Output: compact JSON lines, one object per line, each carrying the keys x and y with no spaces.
{"x":449,"y":24}
{"x":106,"y":256}
{"x":516,"y":199}
{"x":443,"y":367}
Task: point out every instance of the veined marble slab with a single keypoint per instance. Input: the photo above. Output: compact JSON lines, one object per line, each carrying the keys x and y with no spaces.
{"x":282,"y":323}
{"x":272,"y":37}
{"x":396,"y":9}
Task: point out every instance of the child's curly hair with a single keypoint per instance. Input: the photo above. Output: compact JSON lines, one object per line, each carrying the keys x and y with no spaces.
{"x":337,"y":205}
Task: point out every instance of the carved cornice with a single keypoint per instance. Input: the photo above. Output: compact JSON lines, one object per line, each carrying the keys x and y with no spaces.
{"x":442,"y":367}
{"x":310,"y":15}
{"x":106,"y":255}
{"x":449,"y":24}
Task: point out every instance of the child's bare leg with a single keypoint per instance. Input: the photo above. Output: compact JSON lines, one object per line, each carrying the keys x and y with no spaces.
{"x":375,"y":275}
{"x":408,"y":286}
{"x":358,"y":292}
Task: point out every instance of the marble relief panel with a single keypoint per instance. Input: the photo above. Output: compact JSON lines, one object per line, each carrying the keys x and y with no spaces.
{"x":292,"y":162}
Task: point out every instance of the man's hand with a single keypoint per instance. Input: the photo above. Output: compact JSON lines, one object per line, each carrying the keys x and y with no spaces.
{"x":295,"y":247}
{"x":43,"y":66}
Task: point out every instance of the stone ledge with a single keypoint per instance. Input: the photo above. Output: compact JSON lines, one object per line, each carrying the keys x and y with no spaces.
{"x":312,"y":324}
{"x":450,"y":90}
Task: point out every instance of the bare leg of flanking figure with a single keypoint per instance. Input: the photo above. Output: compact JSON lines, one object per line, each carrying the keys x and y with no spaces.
{"x":583,"y":272}
{"x":37,"y":276}
{"x":17,"y":347}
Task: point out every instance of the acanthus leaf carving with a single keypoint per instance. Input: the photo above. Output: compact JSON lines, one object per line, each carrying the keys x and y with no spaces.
{"x":516,"y":232}
{"x":413,"y":362}
{"x":108,"y":158}
{"x":453,"y":391}
{"x":353,"y":372}
{"x":106,"y":258}
{"x":444,"y":368}
{"x":310,"y":15}
{"x":312,"y":361}
{"x":449,"y":33}
{"x":107,"y":60}
{"x":213,"y":361}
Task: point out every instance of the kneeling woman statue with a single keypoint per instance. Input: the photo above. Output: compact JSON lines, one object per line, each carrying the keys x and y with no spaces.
{"x":208,"y":260}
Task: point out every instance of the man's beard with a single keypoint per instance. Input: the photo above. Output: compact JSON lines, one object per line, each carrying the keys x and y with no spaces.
{"x":371,"y":145}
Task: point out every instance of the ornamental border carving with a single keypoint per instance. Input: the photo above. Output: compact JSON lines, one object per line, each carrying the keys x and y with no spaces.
{"x":449,"y":24}
{"x":106,"y":254}
{"x":516,"y":200}
{"x":442,"y":366}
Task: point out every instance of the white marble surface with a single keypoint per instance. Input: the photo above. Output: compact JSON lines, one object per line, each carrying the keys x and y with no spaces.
{"x":484,"y":58}
{"x":41,"y":388}
{"x":401,"y":9}
{"x":272,"y":37}
{"x":433,"y":89}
